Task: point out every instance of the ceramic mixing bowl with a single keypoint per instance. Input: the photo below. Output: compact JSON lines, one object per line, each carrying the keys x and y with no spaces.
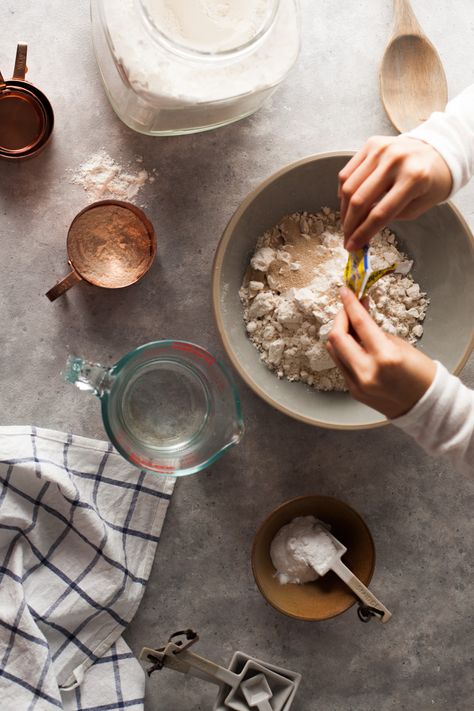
{"x":440,"y":242}
{"x":328,"y":596}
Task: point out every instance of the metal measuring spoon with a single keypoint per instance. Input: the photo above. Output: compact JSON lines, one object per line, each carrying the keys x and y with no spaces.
{"x":412,"y":79}
{"x":357,"y":586}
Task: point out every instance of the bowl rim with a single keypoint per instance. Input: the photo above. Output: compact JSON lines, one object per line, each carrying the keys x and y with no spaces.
{"x":216,"y":272}
{"x":283,"y":506}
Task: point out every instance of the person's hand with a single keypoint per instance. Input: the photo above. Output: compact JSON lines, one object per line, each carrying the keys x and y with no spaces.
{"x":380,"y":370}
{"x":390,"y":178}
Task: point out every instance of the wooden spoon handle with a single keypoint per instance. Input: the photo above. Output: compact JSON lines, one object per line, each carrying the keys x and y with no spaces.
{"x":405,"y":22}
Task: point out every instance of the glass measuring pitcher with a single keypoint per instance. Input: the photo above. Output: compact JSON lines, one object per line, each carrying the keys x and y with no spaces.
{"x":168,"y":406}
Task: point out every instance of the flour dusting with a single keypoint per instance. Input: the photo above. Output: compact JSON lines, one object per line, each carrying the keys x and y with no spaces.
{"x":290,"y":295}
{"x":103,"y":178}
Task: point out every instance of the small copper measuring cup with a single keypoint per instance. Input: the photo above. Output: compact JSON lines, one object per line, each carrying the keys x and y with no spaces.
{"x":110,"y":244}
{"x":26,"y":115}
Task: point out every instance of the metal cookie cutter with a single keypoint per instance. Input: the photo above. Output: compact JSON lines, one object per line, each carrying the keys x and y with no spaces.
{"x":26,"y":115}
{"x":246,"y":679}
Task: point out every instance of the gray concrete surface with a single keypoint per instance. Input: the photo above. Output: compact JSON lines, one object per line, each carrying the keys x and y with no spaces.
{"x":419,"y":511}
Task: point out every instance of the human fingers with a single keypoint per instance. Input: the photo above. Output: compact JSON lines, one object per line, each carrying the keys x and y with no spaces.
{"x":373,"y":146}
{"x":386,"y":210}
{"x":344,"y":346}
{"x":342,"y":324}
{"x":360,"y":165}
{"x":371,"y":336}
{"x":349,"y":168}
{"x":418,"y":171}
{"x":362,"y":199}
{"x":358,"y":162}
{"x":347,"y":373}
{"x":341,"y":321}
{"x":354,"y":182}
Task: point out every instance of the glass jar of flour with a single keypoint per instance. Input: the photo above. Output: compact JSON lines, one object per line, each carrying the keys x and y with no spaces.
{"x":180,"y":66}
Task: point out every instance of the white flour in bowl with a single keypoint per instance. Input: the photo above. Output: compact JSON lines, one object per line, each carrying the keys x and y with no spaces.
{"x":290,"y":295}
{"x":300,"y":549}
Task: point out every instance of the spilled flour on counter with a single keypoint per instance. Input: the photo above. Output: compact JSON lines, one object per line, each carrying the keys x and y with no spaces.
{"x":290,"y":295}
{"x":103,"y":178}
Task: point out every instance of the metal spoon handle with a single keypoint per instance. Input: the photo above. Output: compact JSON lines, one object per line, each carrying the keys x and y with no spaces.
{"x":58,"y":289}
{"x":358,"y":587}
{"x":19,"y":72}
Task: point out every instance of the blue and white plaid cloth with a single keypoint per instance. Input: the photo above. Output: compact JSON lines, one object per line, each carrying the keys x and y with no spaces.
{"x":78,"y":531}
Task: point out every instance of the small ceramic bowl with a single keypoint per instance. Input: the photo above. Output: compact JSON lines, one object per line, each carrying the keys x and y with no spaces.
{"x":328,"y":596}
{"x":440,"y":242}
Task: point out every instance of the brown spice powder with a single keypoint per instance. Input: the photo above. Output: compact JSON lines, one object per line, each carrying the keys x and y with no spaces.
{"x":110,"y":246}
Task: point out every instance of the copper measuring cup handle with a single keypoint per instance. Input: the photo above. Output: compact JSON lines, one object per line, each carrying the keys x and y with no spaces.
{"x":58,"y":289}
{"x":19,"y":72}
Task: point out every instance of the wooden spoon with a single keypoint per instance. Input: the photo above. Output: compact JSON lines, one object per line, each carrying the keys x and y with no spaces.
{"x":412,"y":79}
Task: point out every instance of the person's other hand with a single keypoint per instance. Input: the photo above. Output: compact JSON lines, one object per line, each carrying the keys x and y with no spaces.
{"x":380,"y":370}
{"x":390,"y":178}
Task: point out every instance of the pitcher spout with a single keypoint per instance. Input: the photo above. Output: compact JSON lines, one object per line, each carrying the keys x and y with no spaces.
{"x":91,"y":377}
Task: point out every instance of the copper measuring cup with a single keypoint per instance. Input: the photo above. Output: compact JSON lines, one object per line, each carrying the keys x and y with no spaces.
{"x":26,"y":115}
{"x":110,"y":244}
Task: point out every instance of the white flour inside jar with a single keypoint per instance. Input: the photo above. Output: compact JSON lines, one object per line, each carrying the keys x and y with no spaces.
{"x":207,"y":25}
{"x":290,"y":295}
{"x":167,"y":81}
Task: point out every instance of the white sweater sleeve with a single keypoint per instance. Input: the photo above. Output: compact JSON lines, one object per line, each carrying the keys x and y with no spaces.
{"x":451,"y":133}
{"x":442,"y":421}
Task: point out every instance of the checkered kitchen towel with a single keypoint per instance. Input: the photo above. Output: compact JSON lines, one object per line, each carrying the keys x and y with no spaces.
{"x":78,"y":531}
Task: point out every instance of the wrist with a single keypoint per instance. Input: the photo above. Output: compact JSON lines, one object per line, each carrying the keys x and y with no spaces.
{"x":416,"y":387}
